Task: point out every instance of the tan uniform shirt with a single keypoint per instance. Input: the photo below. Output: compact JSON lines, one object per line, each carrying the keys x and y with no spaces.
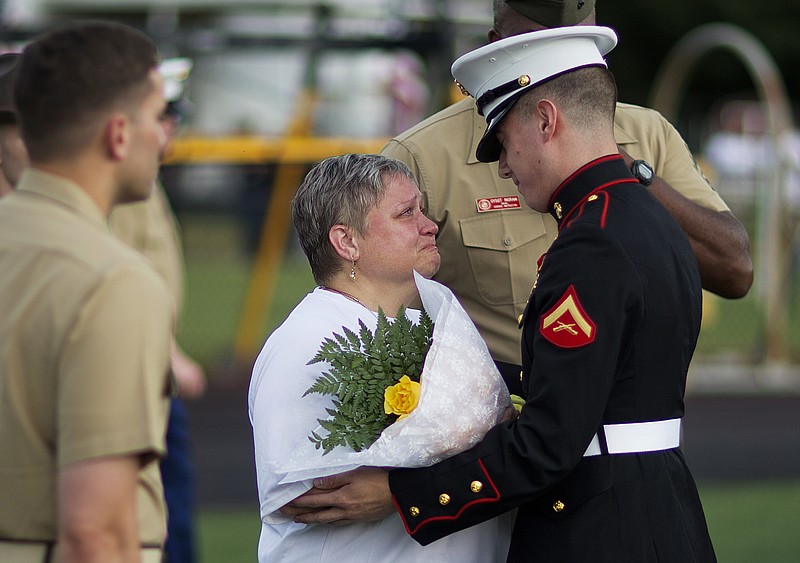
{"x":83,"y":360}
{"x":489,"y":257}
{"x":150,"y":227}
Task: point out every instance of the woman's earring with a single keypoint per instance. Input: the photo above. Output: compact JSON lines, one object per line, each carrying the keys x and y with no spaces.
{"x":353,"y":272}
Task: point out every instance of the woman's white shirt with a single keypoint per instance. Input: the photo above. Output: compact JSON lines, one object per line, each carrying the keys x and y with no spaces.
{"x":281,"y":418}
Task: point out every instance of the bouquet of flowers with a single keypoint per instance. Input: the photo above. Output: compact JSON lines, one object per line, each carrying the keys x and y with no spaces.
{"x":373,"y":377}
{"x":459,"y":394}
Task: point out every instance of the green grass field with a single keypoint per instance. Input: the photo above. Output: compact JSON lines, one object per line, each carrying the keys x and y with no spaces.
{"x":749,"y":523}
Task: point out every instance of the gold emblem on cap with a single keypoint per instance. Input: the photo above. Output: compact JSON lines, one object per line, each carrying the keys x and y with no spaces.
{"x":558,"y":506}
{"x":476,"y":486}
{"x":592,"y":197}
{"x":444,"y":499}
{"x":464,"y":91}
{"x":524,"y":80}
{"x":413,"y":511}
{"x":557,"y":207}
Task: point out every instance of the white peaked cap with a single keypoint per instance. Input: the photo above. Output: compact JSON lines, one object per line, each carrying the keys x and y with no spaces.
{"x":497,"y":74}
{"x":174,"y":72}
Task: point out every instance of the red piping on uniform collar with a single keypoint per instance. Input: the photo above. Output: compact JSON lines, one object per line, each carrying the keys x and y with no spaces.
{"x":578,"y":171}
{"x":579,"y":205}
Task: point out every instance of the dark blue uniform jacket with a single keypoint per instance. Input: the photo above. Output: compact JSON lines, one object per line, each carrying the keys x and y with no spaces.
{"x":607,"y":338}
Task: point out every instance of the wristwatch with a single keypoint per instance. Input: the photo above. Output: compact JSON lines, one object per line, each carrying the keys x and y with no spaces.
{"x":643,"y":172}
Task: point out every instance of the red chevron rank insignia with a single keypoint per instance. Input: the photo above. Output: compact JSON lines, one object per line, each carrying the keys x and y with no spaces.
{"x":567,"y":325}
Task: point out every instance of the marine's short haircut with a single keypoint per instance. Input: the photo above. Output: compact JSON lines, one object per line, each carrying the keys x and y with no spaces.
{"x":586,"y":96}
{"x":69,"y":78}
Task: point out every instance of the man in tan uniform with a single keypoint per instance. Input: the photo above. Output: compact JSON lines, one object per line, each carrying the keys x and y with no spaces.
{"x":490,"y":240}
{"x":84,"y":390}
{"x":151,"y":228}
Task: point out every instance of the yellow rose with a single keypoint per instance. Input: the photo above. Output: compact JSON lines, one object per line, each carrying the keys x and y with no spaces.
{"x":402,"y":397}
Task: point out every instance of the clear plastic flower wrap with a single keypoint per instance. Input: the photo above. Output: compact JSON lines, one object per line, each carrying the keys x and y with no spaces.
{"x":462,"y":397}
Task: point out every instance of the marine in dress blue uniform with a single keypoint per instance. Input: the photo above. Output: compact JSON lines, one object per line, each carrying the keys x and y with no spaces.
{"x":593,"y":462}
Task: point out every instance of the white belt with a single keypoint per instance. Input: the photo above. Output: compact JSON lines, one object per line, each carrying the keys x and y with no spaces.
{"x":637,"y":437}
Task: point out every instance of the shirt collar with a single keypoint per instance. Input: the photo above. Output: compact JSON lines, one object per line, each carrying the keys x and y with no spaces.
{"x":622,"y":136}
{"x":62,"y":191}
{"x":597,"y":174}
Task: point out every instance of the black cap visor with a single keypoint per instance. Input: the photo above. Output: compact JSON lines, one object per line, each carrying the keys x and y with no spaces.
{"x":489,"y":148}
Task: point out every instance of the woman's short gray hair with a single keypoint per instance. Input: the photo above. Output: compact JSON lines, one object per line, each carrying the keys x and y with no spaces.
{"x":340,"y":190}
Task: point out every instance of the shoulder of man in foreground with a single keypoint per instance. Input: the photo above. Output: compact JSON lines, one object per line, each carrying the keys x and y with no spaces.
{"x":431,"y":124}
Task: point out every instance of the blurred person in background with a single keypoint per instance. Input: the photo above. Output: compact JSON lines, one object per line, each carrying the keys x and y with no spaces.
{"x":744,"y":155}
{"x":84,"y":367}
{"x":490,"y":241}
{"x":13,"y":155}
{"x":151,"y":228}
{"x":408,"y":91}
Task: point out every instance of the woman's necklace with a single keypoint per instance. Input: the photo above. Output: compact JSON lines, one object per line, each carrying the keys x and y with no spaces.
{"x":345,"y":294}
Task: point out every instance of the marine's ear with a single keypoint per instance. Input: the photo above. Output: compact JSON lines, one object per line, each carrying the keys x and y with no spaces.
{"x":117,"y":136}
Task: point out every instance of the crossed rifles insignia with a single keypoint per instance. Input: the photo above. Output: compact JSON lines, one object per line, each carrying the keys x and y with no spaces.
{"x":567,"y":324}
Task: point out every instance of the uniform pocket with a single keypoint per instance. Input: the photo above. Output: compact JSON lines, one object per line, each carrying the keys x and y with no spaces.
{"x":504,"y":241}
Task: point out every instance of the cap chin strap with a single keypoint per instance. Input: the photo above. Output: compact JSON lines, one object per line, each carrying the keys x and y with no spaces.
{"x":492,"y":94}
